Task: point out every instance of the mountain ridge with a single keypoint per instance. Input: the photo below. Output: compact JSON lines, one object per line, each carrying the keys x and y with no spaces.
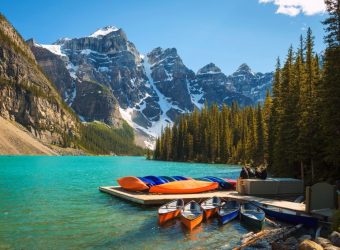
{"x":149,"y":91}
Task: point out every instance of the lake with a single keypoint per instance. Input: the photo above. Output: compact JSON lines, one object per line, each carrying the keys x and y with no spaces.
{"x":53,"y":203}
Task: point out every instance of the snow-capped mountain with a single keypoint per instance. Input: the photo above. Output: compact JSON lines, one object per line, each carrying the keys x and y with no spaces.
{"x":104,"y":77}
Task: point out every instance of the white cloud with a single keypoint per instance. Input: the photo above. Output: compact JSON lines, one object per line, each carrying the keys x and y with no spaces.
{"x":295,"y":7}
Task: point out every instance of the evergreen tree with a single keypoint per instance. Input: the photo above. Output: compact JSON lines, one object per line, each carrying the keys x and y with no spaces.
{"x":267,"y":137}
{"x":329,"y":90}
{"x":296,"y":129}
{"x":259,"y":147}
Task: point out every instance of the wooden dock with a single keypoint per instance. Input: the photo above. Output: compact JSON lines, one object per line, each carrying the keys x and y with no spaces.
{"x":158,"y":199}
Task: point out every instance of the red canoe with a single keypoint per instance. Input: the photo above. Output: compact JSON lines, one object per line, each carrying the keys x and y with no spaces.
{"x":231,"y":181}
{"x":184,"y":187}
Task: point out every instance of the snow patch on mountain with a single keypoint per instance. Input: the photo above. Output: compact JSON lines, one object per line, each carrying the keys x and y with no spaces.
{"x":208,"y":73}
{"x":54,"y":48}
{"x":163,"y":102}
{"x":104,"y":31}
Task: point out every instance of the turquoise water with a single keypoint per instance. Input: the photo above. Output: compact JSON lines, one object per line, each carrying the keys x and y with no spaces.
{"x":54,"y":203}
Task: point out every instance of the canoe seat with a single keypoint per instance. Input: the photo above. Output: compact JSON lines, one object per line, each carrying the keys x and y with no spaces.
{"x":251,"y":216}
{"x":190,"y":215}
{"x":171,"y":206}
{"x":209,"y":206}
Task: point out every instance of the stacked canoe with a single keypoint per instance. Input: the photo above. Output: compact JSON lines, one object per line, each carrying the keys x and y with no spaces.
{"x":175,"y":184}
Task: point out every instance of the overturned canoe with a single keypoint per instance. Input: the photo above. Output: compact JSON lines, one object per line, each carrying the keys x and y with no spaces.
{"x":184,"y":187}
{"x":191,"y":215}
{"x":168,"y":178}
{"x":210,"y":206}
{"x":222,"y":183}
{"x":147,"y":181}
{"x":132,"y":183}
{"x":231,"y":181}
{"x":156,"y":179}
{"x":179,"y":178}
{"x":170,"y":211}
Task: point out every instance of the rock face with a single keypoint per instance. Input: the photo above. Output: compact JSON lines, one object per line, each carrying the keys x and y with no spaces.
{"x":54,"y":67}
{"x":96,"y":102}
{"x":253,"y":85}
{"x":212,"y":86}
{"x":26,"y":95}
{"x":171,"y":77}
{"x":104,"y":77}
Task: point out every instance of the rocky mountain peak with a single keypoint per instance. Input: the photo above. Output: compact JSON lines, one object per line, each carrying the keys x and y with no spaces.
{"x":30,"y":42}
{"x":104,"y":31}
{"x":210,"y":68}
{"x":61,"y":41}
{"x":243,"y":68}
{"x":159,"y":55}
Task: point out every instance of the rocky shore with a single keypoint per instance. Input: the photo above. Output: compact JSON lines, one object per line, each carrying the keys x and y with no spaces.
{"x":289,"y":239}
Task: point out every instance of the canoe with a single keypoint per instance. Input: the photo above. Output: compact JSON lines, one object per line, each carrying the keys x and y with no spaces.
{"x":179,"y":178}
{"x":170,"y":211}
{"x":252,"y":216}
{"x":228,"y":211}
{"x":184,"y":187}
{"x":210,"y":206}
{"x":132,"y":183}
{"x":156,"y":179}
{"x":147,"y":181}
{"x":287,"y":215}
{"x":191,"y":215}
{"x":168,"y":178}
{"x":231,"y":181}
{"x":203,"y":179}
{"x":222,"y":183}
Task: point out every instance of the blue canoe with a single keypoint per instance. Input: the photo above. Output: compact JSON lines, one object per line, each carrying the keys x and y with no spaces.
{"x":156,"y":179}
{"x":222,"y":183}
{"x":228,"y":211}
{"x":147,"y":181}
{"x":168,"y":178}
{"x":204,"y":179}
{"x":179,"y":178}
{"x":287,"y":215}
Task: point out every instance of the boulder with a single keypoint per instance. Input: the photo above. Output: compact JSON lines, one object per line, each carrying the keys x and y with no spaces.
{"x":309,"y":245}
{"x":305,"y":237}
{"x":335,"y":238}
{"x":326,"y":244}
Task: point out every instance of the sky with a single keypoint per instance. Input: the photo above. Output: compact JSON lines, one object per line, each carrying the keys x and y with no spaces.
{"x":225,"y":32}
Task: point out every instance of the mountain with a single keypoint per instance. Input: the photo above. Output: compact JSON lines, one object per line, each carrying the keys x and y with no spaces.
{"x":212,"y":86}
{"x":251,"y":84}
{"x":104,"y":77}
{"x":27,"y":96}
{"x":35,"y":101}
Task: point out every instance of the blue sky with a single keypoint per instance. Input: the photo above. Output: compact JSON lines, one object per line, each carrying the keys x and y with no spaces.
{"x":225,"y":32}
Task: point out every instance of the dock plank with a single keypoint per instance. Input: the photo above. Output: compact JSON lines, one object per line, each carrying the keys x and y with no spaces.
{"x":158,"y":199}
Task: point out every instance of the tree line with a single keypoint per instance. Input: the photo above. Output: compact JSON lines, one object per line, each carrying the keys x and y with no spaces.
{"x":296,"y":131}
{"x":100,"y":138}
